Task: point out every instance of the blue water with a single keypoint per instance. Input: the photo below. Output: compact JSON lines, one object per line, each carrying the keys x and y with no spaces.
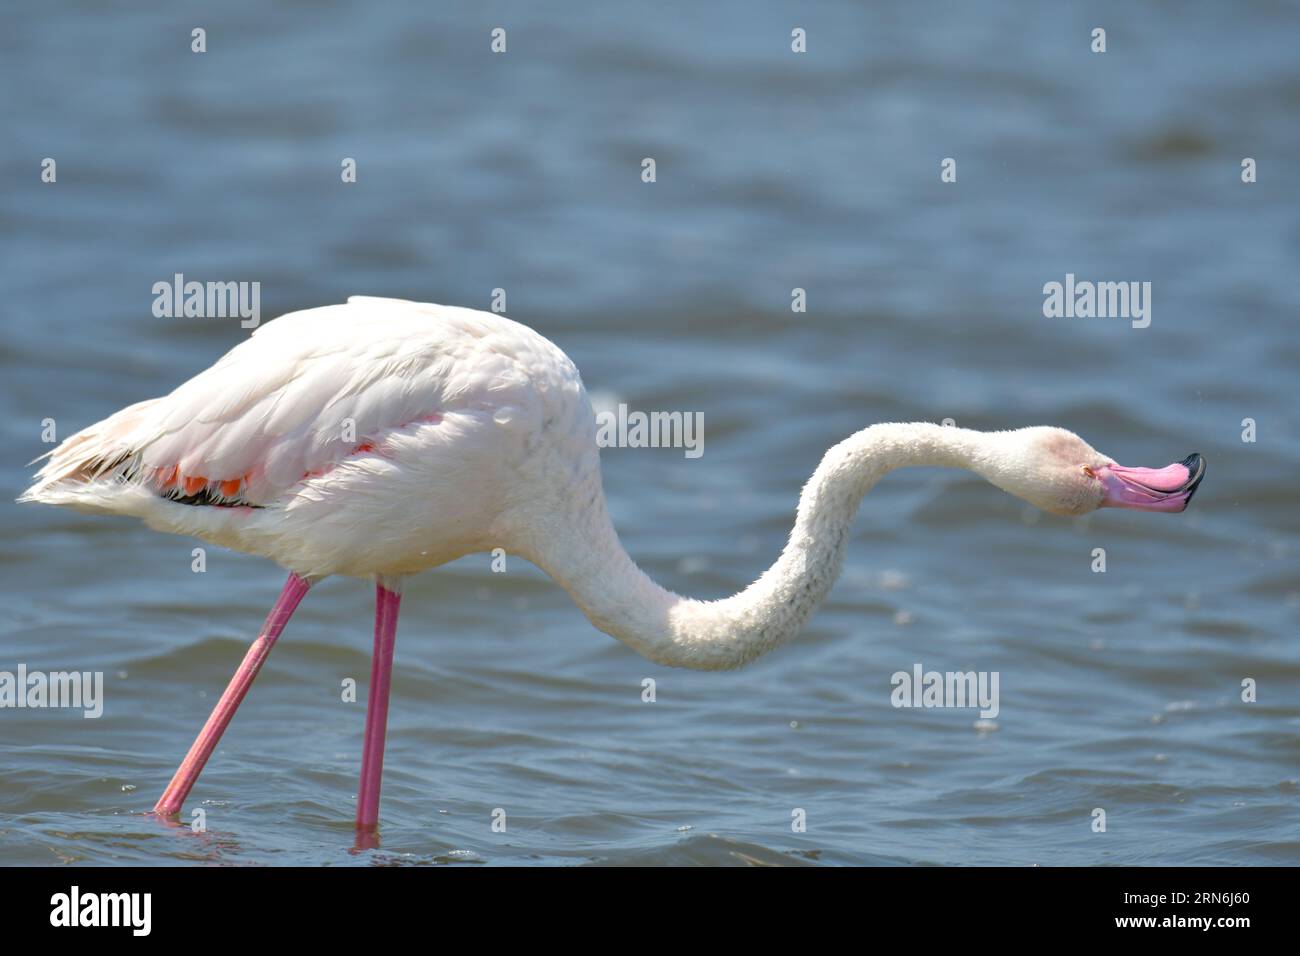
{"x":775,"y":170}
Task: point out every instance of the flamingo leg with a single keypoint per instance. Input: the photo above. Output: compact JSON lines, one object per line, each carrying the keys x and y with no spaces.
{"x":188,"y":772}
{"x":388,"y":602}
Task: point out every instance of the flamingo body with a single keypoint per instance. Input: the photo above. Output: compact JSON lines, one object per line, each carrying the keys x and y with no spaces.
{"x":379,"y":437}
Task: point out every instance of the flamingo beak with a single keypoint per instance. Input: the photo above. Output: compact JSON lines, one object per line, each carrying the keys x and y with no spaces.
{"x":1151,"y":489}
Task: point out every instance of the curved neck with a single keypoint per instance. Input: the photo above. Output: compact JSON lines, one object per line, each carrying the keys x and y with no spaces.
{"x":582,"y":552}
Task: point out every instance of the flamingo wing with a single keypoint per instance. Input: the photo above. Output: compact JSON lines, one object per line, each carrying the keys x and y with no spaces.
{"x":304,"y":392}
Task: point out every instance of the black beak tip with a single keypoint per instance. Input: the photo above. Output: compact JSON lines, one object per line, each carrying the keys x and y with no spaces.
{"x":1195,"y":465}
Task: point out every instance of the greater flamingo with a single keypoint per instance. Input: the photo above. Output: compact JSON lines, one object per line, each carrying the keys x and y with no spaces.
{"x":382,"y":437}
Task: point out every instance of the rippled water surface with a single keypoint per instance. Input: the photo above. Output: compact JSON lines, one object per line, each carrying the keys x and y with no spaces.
{"x":521,"y":171}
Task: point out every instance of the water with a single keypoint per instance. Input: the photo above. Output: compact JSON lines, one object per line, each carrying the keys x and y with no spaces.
{"x":522,"y":171}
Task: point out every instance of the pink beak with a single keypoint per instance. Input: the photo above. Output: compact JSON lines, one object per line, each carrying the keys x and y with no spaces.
{"x":1152,"y":489}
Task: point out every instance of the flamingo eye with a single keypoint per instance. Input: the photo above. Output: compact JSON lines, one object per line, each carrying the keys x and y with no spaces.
{"x":1088,"y":470}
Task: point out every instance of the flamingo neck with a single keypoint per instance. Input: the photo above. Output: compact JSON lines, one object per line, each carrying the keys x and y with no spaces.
{"x":584,"y":555}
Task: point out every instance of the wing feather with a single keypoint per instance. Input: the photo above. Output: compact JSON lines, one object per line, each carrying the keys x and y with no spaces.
{"x":303,"y":392}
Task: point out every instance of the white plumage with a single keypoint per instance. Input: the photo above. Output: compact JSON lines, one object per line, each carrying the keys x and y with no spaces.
{"x":381,"y":420}
{"x":383,"y":437}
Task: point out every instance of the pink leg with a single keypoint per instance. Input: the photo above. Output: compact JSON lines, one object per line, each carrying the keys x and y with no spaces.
{"x":188,"y":772}
{"x":387,"y":604}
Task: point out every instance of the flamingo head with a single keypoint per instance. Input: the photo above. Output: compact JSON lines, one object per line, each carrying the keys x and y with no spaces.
{"x":1058,"y":471}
